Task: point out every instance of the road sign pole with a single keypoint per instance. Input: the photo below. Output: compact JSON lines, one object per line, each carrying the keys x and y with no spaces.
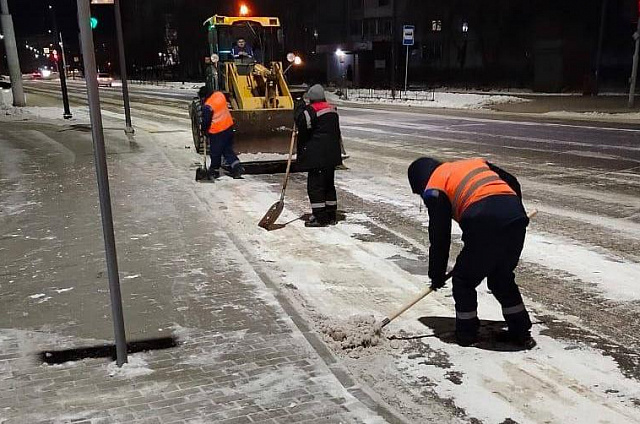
{"x":12,"y":55}
{"x":408,"y":38}
{"x":100,"y":157}
{"x":406,"y":72}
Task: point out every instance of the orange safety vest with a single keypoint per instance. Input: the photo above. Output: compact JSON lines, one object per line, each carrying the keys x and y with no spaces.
{"x":221,"y":119}
{"x":467,"y":181}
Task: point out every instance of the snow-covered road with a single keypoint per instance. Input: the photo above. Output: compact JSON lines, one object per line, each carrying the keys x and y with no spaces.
{"x":580,"y":271}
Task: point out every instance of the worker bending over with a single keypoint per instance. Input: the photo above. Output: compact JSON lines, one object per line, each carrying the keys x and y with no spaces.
{"x":217,"y":123}
{"x":487,"y":203}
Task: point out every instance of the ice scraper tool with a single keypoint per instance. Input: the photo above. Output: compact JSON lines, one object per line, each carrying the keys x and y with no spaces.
{"x":275,"y":210}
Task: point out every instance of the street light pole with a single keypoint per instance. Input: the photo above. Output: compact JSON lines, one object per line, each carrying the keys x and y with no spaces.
{"x":100,"y":157}
{"x":123,"y":69}
{"x":12,"y":55}
{"x":63,"y":73}
{"x":603,"y":15}
{"x":634,"y":69}
{"x":394,"y":41}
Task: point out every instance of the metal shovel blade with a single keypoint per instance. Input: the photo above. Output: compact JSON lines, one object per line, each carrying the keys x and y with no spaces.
{"x":272,"y":215}
{"x":201,"y":174}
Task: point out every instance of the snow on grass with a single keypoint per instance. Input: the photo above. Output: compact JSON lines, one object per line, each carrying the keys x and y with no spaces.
{"x":634,"y":116}
{"x":431,"y":99}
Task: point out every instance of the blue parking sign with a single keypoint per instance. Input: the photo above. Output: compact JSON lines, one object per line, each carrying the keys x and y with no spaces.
{"x":408,"y":35}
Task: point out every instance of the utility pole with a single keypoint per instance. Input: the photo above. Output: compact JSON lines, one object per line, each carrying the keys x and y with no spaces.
{"x":63,"y":73}
{"x":100,"y":158}
{"x":603,"y":14}
{"x":12,"y":55}
{"x":634,"y":69}
{"x":394,"y":41}
{"x":123,"y":69}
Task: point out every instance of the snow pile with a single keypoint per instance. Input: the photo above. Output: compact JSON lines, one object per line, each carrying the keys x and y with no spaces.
{"x":136,"y":367}
{"x":431,"y":99}
{"x":359,"y":331}
{"x":6,"y":98}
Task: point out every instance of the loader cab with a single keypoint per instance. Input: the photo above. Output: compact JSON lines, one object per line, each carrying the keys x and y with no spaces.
{"x":263,"y":34}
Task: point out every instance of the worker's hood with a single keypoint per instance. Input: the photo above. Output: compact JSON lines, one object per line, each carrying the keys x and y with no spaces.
{"x":419,"y":173}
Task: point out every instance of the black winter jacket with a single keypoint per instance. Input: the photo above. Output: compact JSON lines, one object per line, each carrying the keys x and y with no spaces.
{"x":318,"y":136}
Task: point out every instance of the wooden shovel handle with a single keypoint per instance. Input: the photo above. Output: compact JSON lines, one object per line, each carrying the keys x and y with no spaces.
{"x":286,"y":175}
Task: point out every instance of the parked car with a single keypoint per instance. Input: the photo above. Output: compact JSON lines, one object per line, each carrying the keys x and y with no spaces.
{"x":105,"y":79}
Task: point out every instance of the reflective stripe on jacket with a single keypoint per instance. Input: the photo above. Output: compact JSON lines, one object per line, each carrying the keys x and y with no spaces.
{"x":221,"y":119}
{"x":466,"y":182}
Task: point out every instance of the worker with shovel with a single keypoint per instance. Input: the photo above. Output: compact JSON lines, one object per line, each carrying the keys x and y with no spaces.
{"x":487,"y":203}
{"x":319,"y":152}
{"x":217,"y":123}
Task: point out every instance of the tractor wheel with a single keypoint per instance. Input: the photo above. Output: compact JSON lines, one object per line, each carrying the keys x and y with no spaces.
{"x":195,"y":113}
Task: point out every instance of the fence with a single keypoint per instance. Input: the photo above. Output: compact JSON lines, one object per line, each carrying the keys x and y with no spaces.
{"x":386,"y":94}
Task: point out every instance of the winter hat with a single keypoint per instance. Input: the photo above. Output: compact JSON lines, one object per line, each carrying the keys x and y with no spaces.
{"x":419,"y":173}
{"x":315,"y":94}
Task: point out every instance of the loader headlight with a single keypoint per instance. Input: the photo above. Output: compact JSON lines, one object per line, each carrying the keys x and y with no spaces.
{"x":215,"y":58}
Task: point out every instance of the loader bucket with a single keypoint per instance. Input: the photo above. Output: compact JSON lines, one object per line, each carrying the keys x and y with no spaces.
{"x":262,"y":131}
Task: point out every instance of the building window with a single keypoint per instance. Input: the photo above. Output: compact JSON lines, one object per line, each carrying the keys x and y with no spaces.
{"x":436,"y":26}
{"x":386,"y":26}
{"x":356,"y":28}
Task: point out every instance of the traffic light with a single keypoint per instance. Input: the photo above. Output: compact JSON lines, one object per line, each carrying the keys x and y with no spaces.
{"x":54,"y":55}
{"x":94,"y":22}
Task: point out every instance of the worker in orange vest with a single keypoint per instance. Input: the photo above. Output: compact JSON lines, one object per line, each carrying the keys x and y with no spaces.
{"x":217,"y":123}
{"x":487,"y":203}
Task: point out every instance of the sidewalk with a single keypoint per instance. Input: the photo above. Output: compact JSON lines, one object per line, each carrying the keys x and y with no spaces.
{"x":239,"y":356}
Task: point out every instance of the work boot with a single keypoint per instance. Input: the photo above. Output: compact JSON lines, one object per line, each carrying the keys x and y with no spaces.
{"x":332,"y":217}
{"x":214,"y":174}
{"x":521,"y":340}
{"x":466,"y":339}
{"x":315,"y":222}
{"x":236,"y":172}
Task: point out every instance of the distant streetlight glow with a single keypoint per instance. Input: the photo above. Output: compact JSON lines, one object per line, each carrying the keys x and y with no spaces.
{"x":244,"y":10}
{"x":340,"y":53}
{"x":1,"y":36}
{"x":465,"y":27}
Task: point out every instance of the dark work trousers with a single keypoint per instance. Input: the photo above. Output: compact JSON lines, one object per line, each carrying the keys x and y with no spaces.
{"x":492,"y":256}
{"x":221,"y":144}
{"x":322,"y":193}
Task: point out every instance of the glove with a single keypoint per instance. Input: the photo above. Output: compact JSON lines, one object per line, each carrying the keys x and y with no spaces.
{"x":438,"y":283}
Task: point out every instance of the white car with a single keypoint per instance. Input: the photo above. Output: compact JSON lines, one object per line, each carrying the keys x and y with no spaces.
{"x":105,"y":80}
